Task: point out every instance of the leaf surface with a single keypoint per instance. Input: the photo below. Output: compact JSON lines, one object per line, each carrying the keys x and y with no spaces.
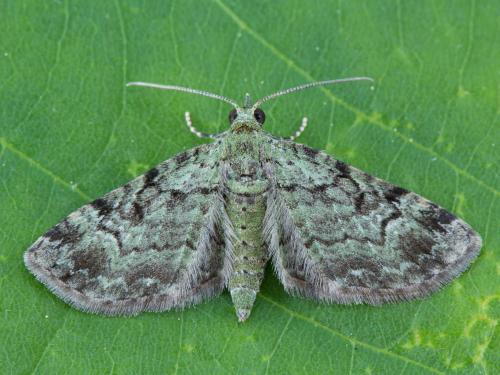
{"x":70,"y":131}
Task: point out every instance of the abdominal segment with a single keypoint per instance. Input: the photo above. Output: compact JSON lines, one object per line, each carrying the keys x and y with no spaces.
{"x":246,"y":213}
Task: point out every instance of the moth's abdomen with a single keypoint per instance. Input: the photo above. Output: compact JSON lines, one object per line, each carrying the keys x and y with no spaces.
{"x":246,"y":211}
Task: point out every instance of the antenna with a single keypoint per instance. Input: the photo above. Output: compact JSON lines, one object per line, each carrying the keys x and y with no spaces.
{"x":309,"y":85}
{"x":184,"y":89}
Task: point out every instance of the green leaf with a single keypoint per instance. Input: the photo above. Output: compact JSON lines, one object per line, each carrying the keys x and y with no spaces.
{"x":70,"y":131}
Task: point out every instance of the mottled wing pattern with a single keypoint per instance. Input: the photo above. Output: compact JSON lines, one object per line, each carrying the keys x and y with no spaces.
{"x":150,"y":245}
{"x":341,"y":235}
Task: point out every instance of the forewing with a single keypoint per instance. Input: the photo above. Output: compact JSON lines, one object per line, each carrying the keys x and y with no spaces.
{"x":339,"y":234}
{"x":153,"y":244}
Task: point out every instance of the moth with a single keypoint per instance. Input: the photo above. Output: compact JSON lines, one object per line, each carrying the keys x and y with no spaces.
{"x":211,"y":218}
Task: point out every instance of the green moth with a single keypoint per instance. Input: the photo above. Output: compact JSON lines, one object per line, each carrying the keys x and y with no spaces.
{"x":212,"y":217}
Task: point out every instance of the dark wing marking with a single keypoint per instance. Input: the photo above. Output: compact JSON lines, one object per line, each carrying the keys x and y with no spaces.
{"x":339,"y":234}
{"x":153,"y":244}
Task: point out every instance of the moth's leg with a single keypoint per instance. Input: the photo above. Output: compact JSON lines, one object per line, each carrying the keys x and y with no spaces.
{"x":302,"y":127}
{"x":195,"y":131}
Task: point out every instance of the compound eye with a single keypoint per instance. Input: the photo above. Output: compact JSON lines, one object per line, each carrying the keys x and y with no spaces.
{"x":259,"y":115}
{"x":232,"y":115}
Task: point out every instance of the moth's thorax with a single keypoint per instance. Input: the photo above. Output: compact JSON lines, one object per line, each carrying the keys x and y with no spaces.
{"x":244,"y":173}
{"x":242,"y":145}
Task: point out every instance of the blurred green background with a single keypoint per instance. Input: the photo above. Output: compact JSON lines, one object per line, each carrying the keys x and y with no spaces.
{"x":70,"y":131}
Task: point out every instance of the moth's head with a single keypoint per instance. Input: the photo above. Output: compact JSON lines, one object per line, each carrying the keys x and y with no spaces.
{"x":247,"y":118}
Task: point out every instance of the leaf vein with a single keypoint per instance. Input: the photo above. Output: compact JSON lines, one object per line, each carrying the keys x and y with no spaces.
{"x":278,"y":342}
{"x":20,"y":154}
{"x":51,"y":69}
{"x":49,"y":342}
{"x":364,"y":116}
{"x":351,"y":340}
{"x":123,"y":102}
{"x":470,"y":39}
